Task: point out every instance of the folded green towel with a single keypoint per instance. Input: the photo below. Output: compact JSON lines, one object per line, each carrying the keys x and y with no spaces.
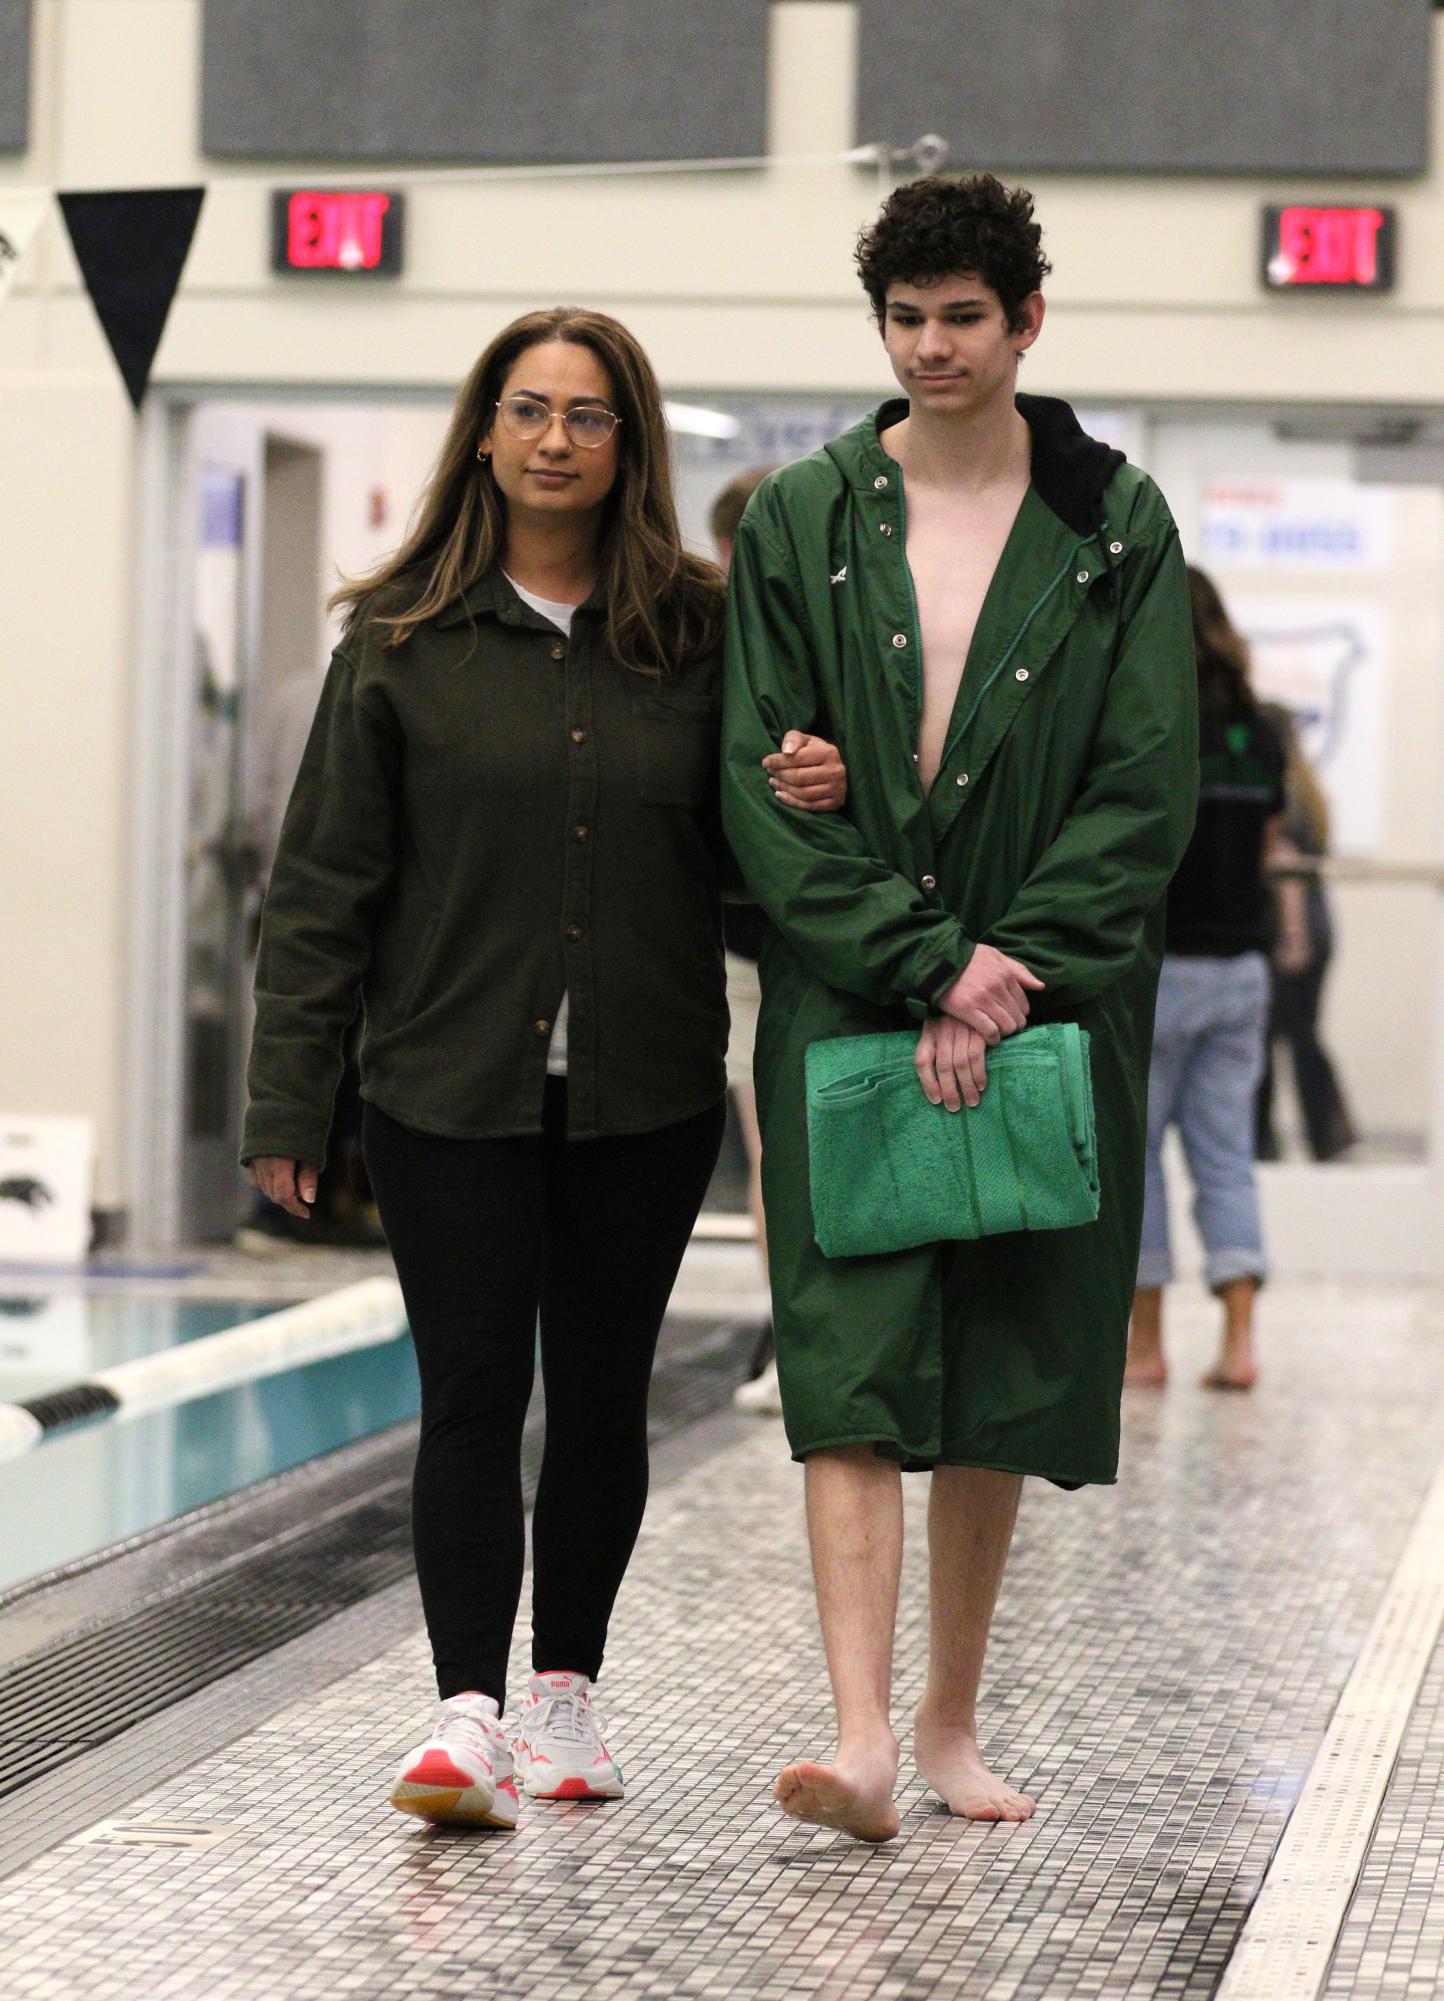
{"x":888,"y":1170}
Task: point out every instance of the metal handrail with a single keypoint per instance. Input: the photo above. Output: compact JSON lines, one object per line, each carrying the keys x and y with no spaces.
{"x":1363,"y":868}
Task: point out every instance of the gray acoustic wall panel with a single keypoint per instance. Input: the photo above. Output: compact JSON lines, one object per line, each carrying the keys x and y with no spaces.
{"x":483,"y":80}
{"x":1152,"y":86}
{"x":14,"y":75}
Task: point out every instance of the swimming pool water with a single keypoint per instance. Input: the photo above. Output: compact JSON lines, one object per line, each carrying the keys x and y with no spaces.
{"x":115,"y":1476}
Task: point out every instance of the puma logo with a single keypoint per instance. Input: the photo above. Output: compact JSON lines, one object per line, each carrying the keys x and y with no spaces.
{"x":841,"y":577}
{"x":26,"y":1190}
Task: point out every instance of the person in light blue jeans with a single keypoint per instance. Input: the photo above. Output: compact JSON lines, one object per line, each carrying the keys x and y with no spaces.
{"x":1208,"y":1045}
{"x":1212,"y":1016}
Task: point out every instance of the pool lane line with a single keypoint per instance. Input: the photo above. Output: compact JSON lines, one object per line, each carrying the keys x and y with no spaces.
{"x":1286,"y":1947}
{"x":363,"y":1315}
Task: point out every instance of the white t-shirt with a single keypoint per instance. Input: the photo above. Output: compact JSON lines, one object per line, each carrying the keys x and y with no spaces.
{"x":560,"y":615}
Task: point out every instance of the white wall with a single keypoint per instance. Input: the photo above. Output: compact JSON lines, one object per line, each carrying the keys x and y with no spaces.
{"x":65,"y":560}
{"x":1155,"y":291}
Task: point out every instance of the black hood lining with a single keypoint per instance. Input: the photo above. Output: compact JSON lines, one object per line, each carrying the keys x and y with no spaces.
{"x":1070,"y":470}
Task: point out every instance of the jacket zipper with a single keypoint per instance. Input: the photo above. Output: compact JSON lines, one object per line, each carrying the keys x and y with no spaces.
{"x":917,"y":633}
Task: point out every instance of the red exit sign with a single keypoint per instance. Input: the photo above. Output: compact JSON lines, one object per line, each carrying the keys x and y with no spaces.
{"x":1308,"y":249}
{"x":339,"y":231}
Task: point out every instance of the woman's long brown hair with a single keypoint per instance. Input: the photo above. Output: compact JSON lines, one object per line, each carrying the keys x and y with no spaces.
{"x":1221,"y":651}
{"x":663,"y":603}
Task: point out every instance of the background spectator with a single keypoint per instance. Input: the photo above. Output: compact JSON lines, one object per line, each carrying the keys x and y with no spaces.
{"x":1300,"y":962}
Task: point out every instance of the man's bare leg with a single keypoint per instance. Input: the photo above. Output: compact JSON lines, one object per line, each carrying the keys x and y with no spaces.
{"x":744,"y":1097}
{"x":1146,"y":1368}
{"x":1236,"y":1368}
{"x":855,"y":1529}
{"x":971,"y":1511}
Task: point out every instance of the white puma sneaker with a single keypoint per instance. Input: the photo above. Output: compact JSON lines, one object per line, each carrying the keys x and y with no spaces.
{"x":463,"y":1773}
{"x":558,"y":1748}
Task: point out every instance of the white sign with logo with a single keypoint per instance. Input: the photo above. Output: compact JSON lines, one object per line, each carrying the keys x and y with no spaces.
{"x":1323,"y":659}
{"x":1327,"y":524}
{"x":46,"y":1166}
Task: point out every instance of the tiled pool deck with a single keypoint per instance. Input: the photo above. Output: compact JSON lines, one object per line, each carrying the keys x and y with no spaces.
{"x":1165,"y":1662}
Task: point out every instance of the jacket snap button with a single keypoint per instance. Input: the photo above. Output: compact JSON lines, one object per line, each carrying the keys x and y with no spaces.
{"x":881,"y":481}
{"x":930,"y":882}
{"x":1082,"y":576}
{"x":579,"y":833}
{"x":542,"y":1027}
{"x":1115,"y":548}
{"x":579,"y":736}
{"x":885,"y":527}
{"x":1021,"y":675}
{"x":574,"y":931}
{"x":962,"y":778}
{"x":899,"y":639}
{"x":559,"y":652}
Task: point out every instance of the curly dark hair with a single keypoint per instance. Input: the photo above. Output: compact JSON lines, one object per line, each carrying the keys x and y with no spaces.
{"x":935,"y":227}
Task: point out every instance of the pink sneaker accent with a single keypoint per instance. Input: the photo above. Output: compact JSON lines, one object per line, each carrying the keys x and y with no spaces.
{"x":462,"y":1775}
{"x":558,"y":1748}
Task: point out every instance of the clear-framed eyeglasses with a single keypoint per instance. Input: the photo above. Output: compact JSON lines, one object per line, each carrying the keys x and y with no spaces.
{"x":588,"y":425}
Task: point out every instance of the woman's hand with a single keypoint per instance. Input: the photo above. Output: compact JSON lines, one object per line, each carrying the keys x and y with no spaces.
{"x":807,"y":773}
{"x":952,"y":1063}
{"x":291,"y":1184}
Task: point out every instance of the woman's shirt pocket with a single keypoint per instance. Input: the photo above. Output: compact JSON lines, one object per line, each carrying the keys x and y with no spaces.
{"x":675,"y":743}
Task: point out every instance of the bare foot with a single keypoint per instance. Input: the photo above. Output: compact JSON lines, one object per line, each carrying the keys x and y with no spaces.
{"x":1145,"y":1368}
{"x":853,"y":1794}
{"x":1145,"y":1372}
{"x":948,"y":1758}
{"x":1229,"y":1374}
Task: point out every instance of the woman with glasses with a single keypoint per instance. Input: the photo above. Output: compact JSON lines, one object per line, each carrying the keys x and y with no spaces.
{"x":505,"y":839}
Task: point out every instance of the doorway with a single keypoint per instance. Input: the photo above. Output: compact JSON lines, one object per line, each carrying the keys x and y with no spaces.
{"x":255,"y":509}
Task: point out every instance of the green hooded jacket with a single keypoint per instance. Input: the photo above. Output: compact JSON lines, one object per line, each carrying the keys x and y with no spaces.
{"x":1064,"y":801}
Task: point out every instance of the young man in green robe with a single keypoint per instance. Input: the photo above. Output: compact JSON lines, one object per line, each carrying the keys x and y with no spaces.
{"x":986,"y":610}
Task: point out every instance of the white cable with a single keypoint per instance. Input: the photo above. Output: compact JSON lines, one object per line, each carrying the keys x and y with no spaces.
{"x":415,"y":177}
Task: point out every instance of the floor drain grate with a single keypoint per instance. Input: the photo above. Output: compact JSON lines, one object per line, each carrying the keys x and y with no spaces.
{"x":137,"y":1664}
{"x":156,"y":1833}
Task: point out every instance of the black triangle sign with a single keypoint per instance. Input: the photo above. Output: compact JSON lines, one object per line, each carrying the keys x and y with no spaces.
{"x":131,"y":245}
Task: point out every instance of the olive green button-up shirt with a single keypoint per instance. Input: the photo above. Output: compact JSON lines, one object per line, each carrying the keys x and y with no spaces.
{"x":485,"y":819}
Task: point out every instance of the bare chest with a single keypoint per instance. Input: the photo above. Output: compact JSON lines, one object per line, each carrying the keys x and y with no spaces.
{"x":953,"y":547}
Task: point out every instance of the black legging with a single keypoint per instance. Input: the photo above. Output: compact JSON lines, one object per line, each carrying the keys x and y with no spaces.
{"x":485,"y":1233}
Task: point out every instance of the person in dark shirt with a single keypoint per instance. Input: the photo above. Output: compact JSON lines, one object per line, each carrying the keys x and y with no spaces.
{"x":1301,"y":956}
{"x":505,"y":835}
{"x":1213,"y":998}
